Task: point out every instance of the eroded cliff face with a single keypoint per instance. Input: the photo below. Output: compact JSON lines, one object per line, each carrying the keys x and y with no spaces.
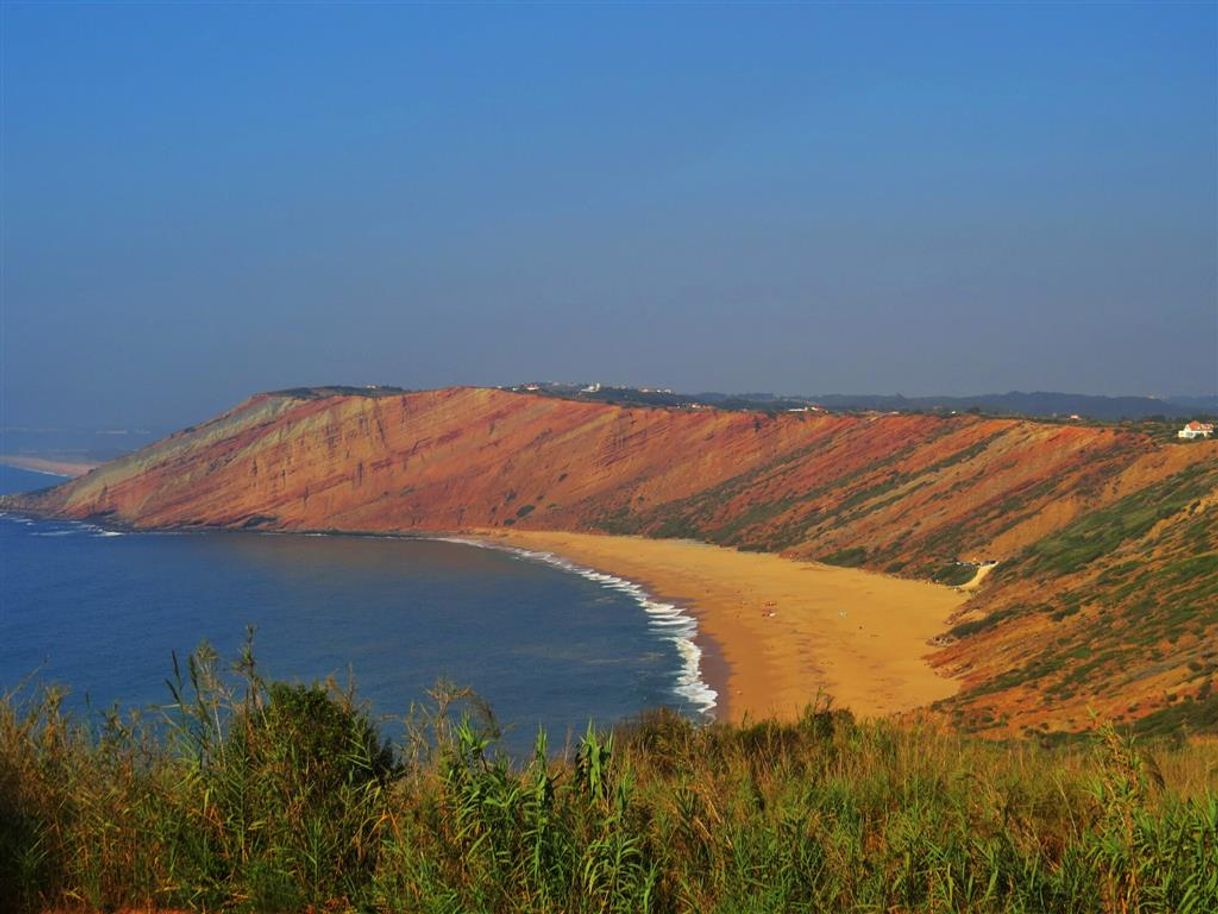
{"x":1105,"y":595}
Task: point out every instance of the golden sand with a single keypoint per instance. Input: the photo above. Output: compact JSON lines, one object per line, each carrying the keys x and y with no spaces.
{"x":786,"y":629}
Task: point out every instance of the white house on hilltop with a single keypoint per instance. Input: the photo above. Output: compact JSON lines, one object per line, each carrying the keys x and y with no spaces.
{"x":1196,"y":430}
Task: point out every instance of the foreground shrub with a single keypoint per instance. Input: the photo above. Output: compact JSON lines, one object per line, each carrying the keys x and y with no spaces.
{"x":258,"y":796}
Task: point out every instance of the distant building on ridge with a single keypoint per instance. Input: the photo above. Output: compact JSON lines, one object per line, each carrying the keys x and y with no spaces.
{"x":1196,"y":430}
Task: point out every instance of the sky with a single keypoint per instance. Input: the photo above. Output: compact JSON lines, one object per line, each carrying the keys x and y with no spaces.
{"x":201,"y":201}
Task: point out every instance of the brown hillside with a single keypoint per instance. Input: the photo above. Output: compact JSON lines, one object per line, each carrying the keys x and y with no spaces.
{"x":1105,"y":596}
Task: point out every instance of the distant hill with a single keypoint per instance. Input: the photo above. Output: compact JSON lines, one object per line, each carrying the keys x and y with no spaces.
{"x":1046,"y":405}
{"x":1106,"y":595}
{"x":1042,"y":404}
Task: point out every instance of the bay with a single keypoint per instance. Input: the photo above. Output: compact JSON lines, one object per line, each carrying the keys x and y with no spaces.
{"x":103,"y":611}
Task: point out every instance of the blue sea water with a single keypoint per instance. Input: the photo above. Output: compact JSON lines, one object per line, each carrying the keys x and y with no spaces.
{"x":545,"y":643}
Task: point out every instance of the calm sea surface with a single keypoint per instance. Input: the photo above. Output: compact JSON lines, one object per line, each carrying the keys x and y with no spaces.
{"x":101,"y":612}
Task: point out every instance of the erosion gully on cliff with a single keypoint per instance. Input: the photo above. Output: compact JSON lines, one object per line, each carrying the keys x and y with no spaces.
{"x":1105,"y":596}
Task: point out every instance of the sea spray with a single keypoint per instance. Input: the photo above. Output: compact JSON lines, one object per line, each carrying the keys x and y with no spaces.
{"x":669,"y":621}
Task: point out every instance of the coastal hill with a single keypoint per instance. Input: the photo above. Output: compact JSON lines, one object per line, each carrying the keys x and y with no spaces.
{"x":1104,"y":595}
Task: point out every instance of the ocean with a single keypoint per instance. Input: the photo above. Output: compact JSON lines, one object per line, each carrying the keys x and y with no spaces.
{"x":544,"y":642}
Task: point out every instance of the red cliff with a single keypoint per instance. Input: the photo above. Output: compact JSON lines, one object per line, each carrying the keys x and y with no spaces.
{"x":1106,"y":536}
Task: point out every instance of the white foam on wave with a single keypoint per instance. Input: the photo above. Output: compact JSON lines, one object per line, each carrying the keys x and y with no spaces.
{"x":59,"y":527}
{"x":667,"y":620}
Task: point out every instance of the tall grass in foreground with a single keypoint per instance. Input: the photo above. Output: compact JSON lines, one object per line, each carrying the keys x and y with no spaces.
{"x":272,"y":797}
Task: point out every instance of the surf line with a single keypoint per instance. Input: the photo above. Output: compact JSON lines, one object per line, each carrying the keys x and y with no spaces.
{"x":667,"y":620}
{"x":17,"y":466}
{"x":58,"y":526}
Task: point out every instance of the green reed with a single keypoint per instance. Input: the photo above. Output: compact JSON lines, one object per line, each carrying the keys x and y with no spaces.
{"x":250,"y":795}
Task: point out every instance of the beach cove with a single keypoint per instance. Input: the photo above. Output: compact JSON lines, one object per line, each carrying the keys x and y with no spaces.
{"x":786,"y":630}
{"x":102,"y":611}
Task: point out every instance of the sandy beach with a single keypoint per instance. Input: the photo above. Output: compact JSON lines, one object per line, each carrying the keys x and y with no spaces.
{"x":70,"y":468}
{"x":784,"y":629}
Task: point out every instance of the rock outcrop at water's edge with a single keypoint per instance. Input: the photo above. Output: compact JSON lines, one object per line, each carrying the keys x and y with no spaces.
{"x":1105,"y":598}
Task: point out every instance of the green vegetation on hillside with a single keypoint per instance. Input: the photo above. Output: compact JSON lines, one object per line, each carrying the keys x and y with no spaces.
{"x":955,"y":574}
{"x":1125,"y":593}
{"x":255,"y":796}
{"x":847,"y":558}
{"x":1100,"y":532}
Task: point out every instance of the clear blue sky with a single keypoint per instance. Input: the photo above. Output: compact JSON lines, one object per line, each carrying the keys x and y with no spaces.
{"x":202,"y":201}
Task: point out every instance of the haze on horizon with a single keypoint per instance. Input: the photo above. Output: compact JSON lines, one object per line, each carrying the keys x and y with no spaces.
{"x":200,"y":202}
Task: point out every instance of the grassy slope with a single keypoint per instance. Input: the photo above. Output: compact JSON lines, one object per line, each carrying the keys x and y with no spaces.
{"x":1105,"y":597}
{"x":1115,"y":613}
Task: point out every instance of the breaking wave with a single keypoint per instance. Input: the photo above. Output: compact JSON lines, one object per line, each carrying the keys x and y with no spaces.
{"x":667,"y":620}
{"x":45,"y":528}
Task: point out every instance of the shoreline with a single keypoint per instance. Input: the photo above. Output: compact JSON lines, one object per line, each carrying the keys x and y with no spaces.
{"x":64,"y":469}
{"x":784,"y":632}
{"x":667,"y":619}
{"x":773,"y":634}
